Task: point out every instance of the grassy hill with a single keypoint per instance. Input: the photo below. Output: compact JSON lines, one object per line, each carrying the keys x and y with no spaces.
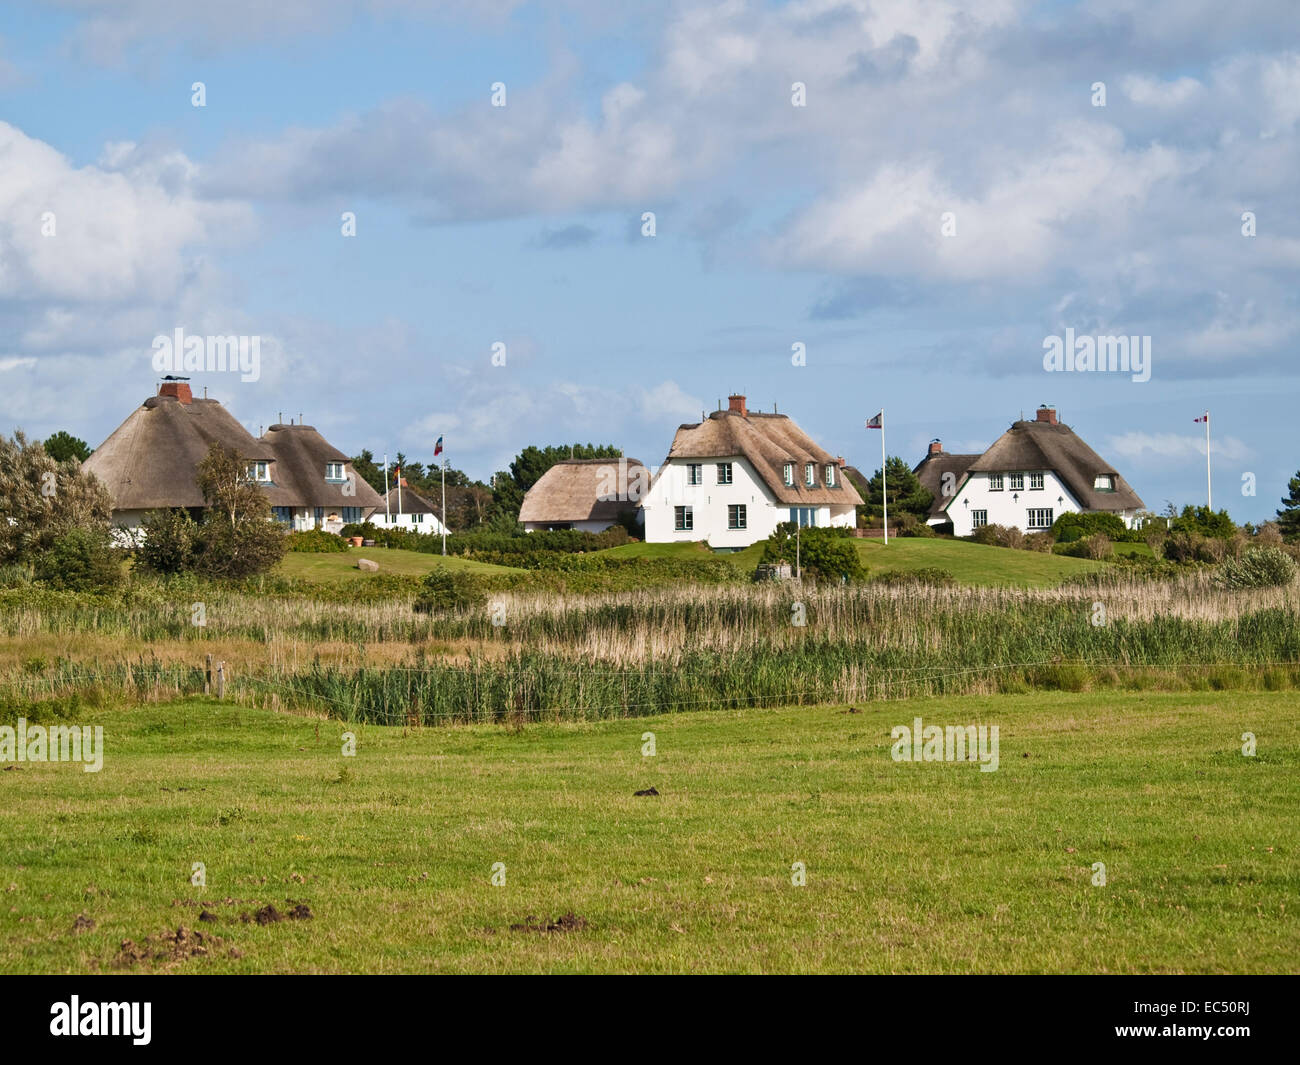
{"x":973,"y":563}
{"x":910,"y":867}
{"x":969,"y":563}
{"x":341,"y":565}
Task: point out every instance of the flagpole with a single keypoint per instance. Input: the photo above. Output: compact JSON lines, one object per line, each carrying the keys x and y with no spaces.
{"x":444,"y":506}
{"x":388,"y":512}
{"x":1209,"y":492}
{"x":884,"y":479}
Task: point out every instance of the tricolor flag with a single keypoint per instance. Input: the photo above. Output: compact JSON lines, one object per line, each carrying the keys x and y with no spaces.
{"x":437,"y":448}
{"x":878,"y":422}
{"x":1203,"y":418}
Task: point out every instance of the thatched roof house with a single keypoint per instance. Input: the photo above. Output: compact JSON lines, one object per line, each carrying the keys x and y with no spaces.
{"x":586,"y":494}
{"x":775,"y":447}
{"x":939,"y":470}
{"x":1034,"y":472}
{"x":150,"y":462}
{"x":408,"y":511}
{"x":730,"y":479}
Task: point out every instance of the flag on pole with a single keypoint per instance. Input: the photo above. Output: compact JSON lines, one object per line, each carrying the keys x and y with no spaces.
{"x":878,"y":422}
{"x":437,"y":448}
{"x":1203,"y":418}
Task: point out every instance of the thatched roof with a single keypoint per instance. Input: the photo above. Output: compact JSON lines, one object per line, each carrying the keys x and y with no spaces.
{"x":301,"y":454}
{"x":412,"y":502}
{"x":767,"y":442}
{"x":570,"y":491}
{"x":1044,"y":445}
{"x":151,"y":459}
{"x":930,"y":473}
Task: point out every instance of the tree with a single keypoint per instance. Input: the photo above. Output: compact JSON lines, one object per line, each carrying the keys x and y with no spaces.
{"x":825,"y":553}
{"x":63,"y":446}
{"x":1202,"y":521}
{"x":42,"y":499}
{"x":906,"y":493}
{"x":1288,"y":518}
{"x":237,"y":537}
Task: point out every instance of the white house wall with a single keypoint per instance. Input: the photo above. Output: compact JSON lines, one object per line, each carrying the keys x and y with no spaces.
{"x":1002,"y":509}
{"x":709,"y":502}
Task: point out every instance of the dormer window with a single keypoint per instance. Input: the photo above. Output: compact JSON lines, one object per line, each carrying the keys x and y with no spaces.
{"x":334,"y":471}
{"x":1105,"y":482}
{"x":810,"y":474}
{"x":788,"y":475}
{"x":259,"y":472}
{"x":830,"y":475}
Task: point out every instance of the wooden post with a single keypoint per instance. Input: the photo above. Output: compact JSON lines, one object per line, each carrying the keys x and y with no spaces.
{"x":207,"y":677}
{"x":221,"y":680}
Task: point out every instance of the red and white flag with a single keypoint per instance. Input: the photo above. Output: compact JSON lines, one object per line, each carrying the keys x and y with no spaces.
{"x":878,"y":422}
{"x":1203,"y":418}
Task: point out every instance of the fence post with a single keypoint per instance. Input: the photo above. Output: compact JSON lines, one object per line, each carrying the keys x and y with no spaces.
{"x":207,"y":677}
{"x":221,"y":680}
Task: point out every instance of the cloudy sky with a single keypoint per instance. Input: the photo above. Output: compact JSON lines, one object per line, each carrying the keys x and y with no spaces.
{"x":949,"y":194}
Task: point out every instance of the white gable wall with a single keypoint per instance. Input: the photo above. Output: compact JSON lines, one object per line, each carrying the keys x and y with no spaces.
{"x":1002,"y":508}
{"x":710,"y":503}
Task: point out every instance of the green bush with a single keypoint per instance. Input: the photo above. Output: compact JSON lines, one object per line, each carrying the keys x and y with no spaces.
{"x":81,"y":560}
{"x":1260,"y":567}
{"x":1073,"y":526}
{"x":828,"y":554}
{"x":316,"y":541}
{"x":167,"y":543}
{"x":444,"y":590}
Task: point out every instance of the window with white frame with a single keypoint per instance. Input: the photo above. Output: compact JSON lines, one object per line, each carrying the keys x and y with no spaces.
{"x":694,"y":473}
{"x":334,"y":471}
{"x":810,"y":474}
{"x":1035,"y":482}
{"x":1040,"y":518}
{"x":683,"y":519}
{"x":978,"y":518}
{"x":258,"y":471}
{"x":736,"y":516}
{"x":724,"y":473}
{"x":995,"y":482}
{"x":1105,"y":482}
{"x":1017,"y":482}
{"x":787,"y":474}
{"x":830,"y":475}
{"x":416,"y":519}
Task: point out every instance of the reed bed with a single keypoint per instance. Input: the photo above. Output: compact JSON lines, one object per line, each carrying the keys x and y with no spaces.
{"x":651,"y":651}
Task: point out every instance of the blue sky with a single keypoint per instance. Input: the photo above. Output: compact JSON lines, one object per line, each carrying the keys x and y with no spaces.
{"x":775,"y":224}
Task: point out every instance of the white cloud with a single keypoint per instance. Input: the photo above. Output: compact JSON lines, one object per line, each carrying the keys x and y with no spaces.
{"x":1153,"y":449}
{"x":1151,"y":92}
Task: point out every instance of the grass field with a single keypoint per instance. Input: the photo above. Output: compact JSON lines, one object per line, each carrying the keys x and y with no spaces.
{"x":931,"y":867}
{"x":336,"y":565}
{"x":974,"y":563}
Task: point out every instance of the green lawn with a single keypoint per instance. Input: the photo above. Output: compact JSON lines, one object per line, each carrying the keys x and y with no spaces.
{"x":334,"y":565}
{"x":910,"y":867}
{"x":973,"y":563}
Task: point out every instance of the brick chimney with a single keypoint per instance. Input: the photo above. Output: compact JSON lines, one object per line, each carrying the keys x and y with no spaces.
{"x":177,"y":390}
{"x":936,"y":447}
{"x":1047,"y":414}
{"x":737,"y":404}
